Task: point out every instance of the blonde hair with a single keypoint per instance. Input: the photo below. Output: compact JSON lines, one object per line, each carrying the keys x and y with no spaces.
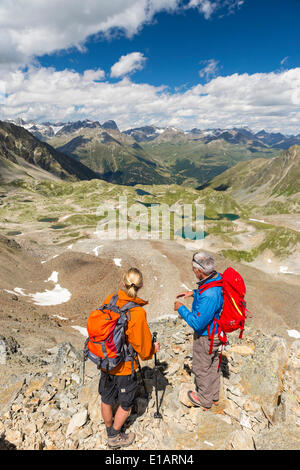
{"x":133,"y":281}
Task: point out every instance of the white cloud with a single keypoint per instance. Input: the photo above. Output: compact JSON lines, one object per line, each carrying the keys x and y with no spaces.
{"x":127,"y":64}
{"x":31,"y":28}
{"x":206,"y":7}
{"x":209,"y":7}
{"x":210,"y":70}
{"x":261,"y":100}
{"x":94,"y":75}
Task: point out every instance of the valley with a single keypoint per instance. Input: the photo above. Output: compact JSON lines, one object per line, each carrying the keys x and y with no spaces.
{"x":57,"y":264}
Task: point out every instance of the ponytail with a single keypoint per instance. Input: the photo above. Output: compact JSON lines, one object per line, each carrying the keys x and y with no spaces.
{"x":133,"y":281}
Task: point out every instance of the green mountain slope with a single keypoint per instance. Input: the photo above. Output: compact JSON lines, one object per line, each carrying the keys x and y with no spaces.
{"x":276,"y":177}
{"x":118,"y":158}
{"x":21,"y":155}
{"x":193,"y":161}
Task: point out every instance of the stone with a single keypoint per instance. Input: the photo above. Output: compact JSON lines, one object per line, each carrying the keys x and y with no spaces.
{"x":210,"y":428}
{"x":30,"y":429}
{"x":176,"y":348}
{"x":34,"y":385}
{"x":14,"y":437}
{"x":261,"y":375}
{"x":89,"y":397}
{"x":278,"y":437}
{"x":251,"y":406}
{"x":240,"y":440}
{"x":173,"y":369}
{"x":242,"y":349}
{"x":3,"y":354}
{"x":232,"y":410}
{"x":245,"y":421}
{"x":235,"y":390}
{"x":77,"y":421}
{"x":75,"y":378}
{"x":9,"y":394}
{"x":238,"y":400}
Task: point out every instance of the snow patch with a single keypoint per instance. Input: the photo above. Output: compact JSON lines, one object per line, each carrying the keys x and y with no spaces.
{"x":60,"y":318}
{"x":294,"y":334}
{"x":81,"y":330}
{"x":285,"y":270}
{"x":53,"y":277}
{"x":258,"y":220}
{"x":96,"y":250}
{"x":57,"y":296}
{"x":10,"y":291}
{"x":20,"y":291}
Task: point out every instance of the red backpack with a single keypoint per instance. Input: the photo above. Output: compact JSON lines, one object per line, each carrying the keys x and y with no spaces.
{"x":233,"y":315}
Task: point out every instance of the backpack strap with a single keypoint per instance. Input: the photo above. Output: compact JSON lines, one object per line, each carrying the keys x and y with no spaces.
{"x":204,"y":287}
{"x":132,"y":354}
{"x":127,"y":307}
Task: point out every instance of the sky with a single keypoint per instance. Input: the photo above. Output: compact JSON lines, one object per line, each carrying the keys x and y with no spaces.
{"x":182,"y":63}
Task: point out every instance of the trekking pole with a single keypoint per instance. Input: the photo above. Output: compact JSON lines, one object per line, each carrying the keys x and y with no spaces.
{"x":83,"y":367}
{"x":157,"y":413}
{"x":84,"y":359}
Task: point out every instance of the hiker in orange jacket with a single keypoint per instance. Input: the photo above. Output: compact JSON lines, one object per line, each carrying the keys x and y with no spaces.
{"x":120,"y":385}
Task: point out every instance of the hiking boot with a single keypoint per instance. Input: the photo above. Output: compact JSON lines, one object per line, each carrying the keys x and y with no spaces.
{"x":121,"y":440}
{"x":193,"y":397}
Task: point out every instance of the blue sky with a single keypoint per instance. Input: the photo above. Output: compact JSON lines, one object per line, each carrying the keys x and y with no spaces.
{"x":186,"y":63}
{"x":255,"y":38}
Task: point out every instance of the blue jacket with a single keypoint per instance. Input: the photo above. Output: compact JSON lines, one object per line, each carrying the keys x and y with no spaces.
{"x":205,"y":308}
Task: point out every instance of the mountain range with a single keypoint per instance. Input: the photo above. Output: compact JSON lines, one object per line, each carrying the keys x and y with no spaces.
{"x":23,"y":155}
{"x":151,"y":154}
{"x":144,"y":155}
{"x":150,"y":133}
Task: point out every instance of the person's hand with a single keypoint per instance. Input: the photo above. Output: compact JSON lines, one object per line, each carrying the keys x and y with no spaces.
{"x":177,"y":305}
{"x":157,"y":346}
{"x":185,"y":295}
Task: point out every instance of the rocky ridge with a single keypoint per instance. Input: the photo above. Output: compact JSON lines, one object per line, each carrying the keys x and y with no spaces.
{"x":259,"y":408}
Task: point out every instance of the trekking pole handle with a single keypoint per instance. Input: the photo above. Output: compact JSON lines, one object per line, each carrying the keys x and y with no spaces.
{"x":154,"y":337}
{"x":154,"y":340}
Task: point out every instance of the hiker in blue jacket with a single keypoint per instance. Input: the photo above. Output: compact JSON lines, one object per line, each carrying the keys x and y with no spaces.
{"x":206,"y":307}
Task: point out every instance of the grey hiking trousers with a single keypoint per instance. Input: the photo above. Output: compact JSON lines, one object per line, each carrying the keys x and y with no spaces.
{"x":205,"y":368}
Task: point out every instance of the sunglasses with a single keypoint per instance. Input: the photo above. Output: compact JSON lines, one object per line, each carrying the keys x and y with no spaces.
{"x":197,"y":263}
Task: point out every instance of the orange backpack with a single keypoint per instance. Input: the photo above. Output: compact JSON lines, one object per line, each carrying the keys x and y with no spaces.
{"x":106,"y":345}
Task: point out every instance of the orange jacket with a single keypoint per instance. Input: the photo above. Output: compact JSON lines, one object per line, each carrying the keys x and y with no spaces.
{"x":137,"y":333}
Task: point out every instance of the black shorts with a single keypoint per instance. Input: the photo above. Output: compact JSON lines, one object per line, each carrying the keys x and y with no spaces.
{"x":118,"y":388}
